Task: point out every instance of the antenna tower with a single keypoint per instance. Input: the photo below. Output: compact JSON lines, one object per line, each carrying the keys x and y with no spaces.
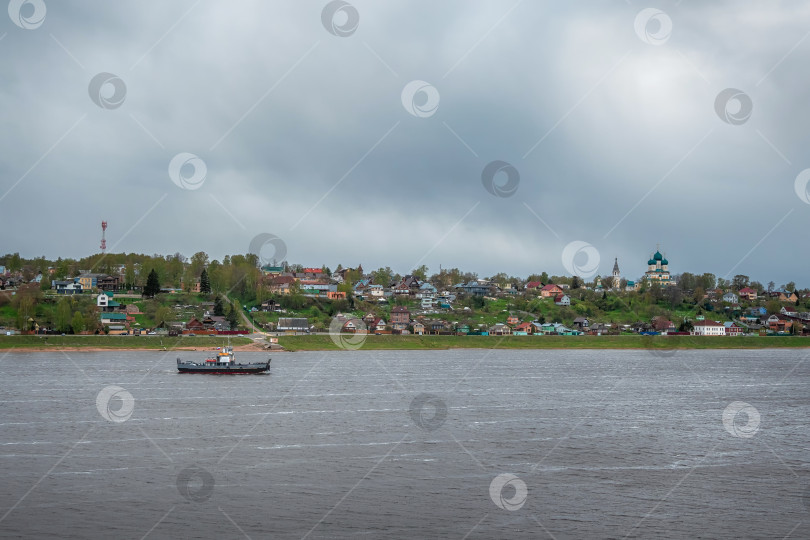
{"x":103,"y":239}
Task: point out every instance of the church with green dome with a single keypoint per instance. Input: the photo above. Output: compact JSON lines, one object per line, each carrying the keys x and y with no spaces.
{"x":658,"y":270}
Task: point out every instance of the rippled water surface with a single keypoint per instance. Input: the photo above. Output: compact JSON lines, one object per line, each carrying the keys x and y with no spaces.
{"x":608,"y":444}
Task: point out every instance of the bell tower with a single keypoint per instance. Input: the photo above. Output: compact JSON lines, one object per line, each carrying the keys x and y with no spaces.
{"x":617,"y":279}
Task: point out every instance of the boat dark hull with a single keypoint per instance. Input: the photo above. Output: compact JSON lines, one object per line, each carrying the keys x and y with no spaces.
{"x":224,"y":371}
{"x":235,"y":369}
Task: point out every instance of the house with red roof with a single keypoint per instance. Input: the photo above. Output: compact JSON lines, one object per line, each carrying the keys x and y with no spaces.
{"x":524,"y":327}
{"x":550,"y":291}
{"x":562,"y":300}
{"x":747,"y":293}
{"x":709,"y":328}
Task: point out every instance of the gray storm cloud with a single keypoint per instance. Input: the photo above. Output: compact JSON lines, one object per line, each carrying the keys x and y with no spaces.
{"x":304,"y":133}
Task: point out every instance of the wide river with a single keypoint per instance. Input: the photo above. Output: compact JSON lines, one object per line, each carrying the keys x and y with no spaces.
{"x":404,"y":444}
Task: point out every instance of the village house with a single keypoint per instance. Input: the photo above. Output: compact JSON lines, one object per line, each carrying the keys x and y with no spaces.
{"x":88,"y":280}
{"x":662,"y":324}
{"x":784,"y":296}
{"x":105,"y":302}
{"x":292,"y":324}
{"x":108,"y":283}
{"x":524,"y":328}
{"x":790,"y":311}
{"x":477,"y":288}
{"x":316,"y":288}
{"x":562,"y":300}
{"x":709,"y":328}
{"x":550,"y":291}
{"x":731,"y":298}
{"x":272,"y":271}
{"x":377,"y":325}
{"x":67,"y":287}
{"x":581,"y":323}
{"x":434,"y":326}
{"x":748,"y":293}
{"x":215,"y":322}
{"x":779,"y":323}
{"x":499,"y":329}
{"x":280,"y":284}
{"x":512,"y":320}
{"x":313,"y":272}
{"x":400,"y":318}
{"x":351,"y":324}
{"x":376,"y":291}
{"x":194,"y":325}
{"x":118,"y":321}
{"x":733,"y":329}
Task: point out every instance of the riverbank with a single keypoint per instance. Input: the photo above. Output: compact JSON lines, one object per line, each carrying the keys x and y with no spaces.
{"x":390,"y":342}
{"x":664,"y":343}
{"x":122,"y":343}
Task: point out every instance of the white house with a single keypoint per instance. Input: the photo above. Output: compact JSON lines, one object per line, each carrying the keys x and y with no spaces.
{"x":102,"y":300}
{"x":376,"y":290}
{"x":709,"y":328}
{"x":731,"y":298}
{"x":562,"y":300}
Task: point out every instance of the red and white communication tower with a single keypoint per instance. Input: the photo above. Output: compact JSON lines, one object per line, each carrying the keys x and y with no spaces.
{"x":103,"y":239}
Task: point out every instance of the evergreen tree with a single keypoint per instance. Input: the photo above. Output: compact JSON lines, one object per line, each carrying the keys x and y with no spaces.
{"x":219,"y":309}
{"x":205,"y":284}
{"x":575,"y":282}
{"x":152,"y":284}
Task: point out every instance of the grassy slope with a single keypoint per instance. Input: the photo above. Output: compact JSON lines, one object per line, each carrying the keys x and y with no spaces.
{"x":115,"y":342}
{"x":324,"y":342}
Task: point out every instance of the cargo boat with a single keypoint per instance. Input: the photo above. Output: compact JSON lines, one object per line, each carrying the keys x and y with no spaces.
{"x":222,"y":364}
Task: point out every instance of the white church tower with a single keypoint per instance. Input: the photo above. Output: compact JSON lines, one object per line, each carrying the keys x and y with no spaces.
{"x":617,"y":278}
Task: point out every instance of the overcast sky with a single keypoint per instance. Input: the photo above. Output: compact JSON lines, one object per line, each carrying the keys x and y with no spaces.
{"x":306,"y":124}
